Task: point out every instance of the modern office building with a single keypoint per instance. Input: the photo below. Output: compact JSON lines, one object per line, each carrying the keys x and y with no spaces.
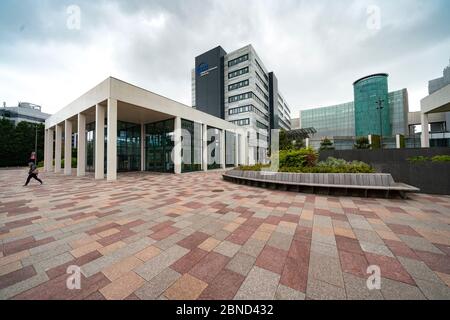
{"x":361,"y":116}
{"x":238,"y":88}
{"x":436,"y":103}
{"x":372,"y":114}
{"x":24,"y":111}
{"x":140,"y":131}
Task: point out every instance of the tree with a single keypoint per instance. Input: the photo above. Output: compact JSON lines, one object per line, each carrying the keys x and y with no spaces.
{"x":362,"y":143}
{"x":17,"y":142}
{"x":326,"y":144}
{"x":288,"y":143}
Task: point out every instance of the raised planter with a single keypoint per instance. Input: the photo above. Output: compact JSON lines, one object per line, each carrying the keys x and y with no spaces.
{"x":375,"y":183}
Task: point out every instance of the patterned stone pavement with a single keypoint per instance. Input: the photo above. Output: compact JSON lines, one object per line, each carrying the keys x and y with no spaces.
{"x":195,"y":236}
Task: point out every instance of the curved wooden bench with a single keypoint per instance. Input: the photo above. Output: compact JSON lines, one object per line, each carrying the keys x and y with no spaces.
{"x":356,"y":181}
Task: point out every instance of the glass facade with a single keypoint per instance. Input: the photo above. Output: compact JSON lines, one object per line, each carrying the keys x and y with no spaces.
{"x":214,"y":144}
{"x":398,"y":106}
{"x":90,"y":147}
{"x":230,"y":147}
{"x":128,"y":146}
{"x":159,"y":145}
{"x":367,"y":92}
{"x":191,"y":146}
{"x":337,"y":120}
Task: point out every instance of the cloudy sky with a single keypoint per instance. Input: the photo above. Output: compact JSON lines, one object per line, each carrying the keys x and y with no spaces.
{"x":316,"y":48}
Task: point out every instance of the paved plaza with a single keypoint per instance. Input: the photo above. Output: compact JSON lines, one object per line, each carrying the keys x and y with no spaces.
{"x":195,"y":236}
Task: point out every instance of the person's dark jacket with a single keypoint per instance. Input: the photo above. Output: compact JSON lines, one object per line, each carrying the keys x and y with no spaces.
{"x":32,"y":168}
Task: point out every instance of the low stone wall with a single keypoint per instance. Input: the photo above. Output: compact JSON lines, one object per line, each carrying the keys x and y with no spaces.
{"x":360,"y":184}
{"x":429,"y":177}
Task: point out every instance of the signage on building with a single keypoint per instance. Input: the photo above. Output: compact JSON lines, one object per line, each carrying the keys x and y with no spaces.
{"x":203,"y":69}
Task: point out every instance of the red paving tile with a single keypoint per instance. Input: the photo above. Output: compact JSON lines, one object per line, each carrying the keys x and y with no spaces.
{"x":353,"y":263}
{"x":188,"y":261}
{"x":272,"y":259}
{"x":151,"y":197}
{"x":223,"y":287}
{"x":209,"y":267}
{"x":390,"y":268}
{"x":295,"y":274}
{"x":192,"y":241}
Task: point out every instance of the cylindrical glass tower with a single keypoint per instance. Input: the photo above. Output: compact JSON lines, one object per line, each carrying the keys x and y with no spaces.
{"x":370,"y":92}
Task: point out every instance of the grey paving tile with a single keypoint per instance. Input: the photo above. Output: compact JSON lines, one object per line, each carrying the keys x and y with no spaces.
{"x":260,"y":284}
{"x":241,"y":263}
{"x":324,"y":249}
{"x":35,"y":258}
{"x":395,"y":290}
{"x":326,"y":269}
{"x":156,"y":286}
{"x":227,"y":248}
{"x":419,"y":243}
{"x":419,"y":270}
{"x":376,"y":248}
{"x":319,"y":290}
{"x":368,"y":236}
{"x":434,"y":290}
{"x":356,"y":289}
{"x":286,"y":293}
{"x":280,"y":240}
{"x":252,"y":247}
{"x":22,"y":286}
{"x":45,"y":265}
{"x":154,"y":266}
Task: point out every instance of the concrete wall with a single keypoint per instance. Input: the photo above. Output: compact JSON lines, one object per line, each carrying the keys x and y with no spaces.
{"x":433,"y":178}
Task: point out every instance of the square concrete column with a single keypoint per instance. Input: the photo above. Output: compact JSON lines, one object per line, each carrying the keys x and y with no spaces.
{"x":58,"y":142}
{"x":67,"y":147}
{"x":204,"y":147}
{"x":236,"y":149}
{"x":425,"y":136}
{"x":49,"y":152}
{"x":242,"y":148}
{"x":177,"y":145}
{"x":81,"y":146}
{"x":99,"y":142}
{"x":46,"y":150}
{"x":223,"y":164}
{"x":111,"y":159}
{"x":142,"y":147}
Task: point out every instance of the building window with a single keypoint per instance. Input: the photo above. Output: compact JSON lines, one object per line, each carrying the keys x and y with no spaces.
{"x":241,"y":122}
{"x":258,"y":88}
{"x":262,"y":81}
{"x":262,"y":70}
{"x":237,"y":73}
{"x":247,"y":108}
{"x":238,"y":60}
{"x":261,"y":125}
{"x":238,"y":85}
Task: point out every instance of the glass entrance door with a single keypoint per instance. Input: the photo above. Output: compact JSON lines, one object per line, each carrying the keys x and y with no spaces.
{"x":159,"y":146}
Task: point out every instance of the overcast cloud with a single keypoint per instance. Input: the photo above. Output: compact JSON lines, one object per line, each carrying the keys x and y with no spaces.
{"x":316,"y":48}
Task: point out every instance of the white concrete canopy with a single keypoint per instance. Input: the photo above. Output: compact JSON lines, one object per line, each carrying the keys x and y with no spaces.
{"x":436,"y":102}
{"x":115,"y":100}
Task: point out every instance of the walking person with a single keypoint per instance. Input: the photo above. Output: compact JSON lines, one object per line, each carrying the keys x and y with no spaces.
{"x":32,"y":173}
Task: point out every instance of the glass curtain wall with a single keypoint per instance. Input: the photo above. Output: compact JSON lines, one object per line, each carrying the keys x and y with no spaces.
{"x":128,"y":146}
{"x":191,"y":146}
{"x":230,"y":149}
{"x":159,"y":145}
{"x":213,"y":137}
{"x":90,"y":147}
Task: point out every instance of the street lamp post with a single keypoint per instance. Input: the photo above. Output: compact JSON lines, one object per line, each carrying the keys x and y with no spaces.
{"x":380,"y":107}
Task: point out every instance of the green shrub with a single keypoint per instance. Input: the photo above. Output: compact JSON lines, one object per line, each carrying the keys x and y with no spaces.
{"x":306,"y":157}
{"x":326,"y":144}
{"x":256,"y":167}
{"x":362,"y":143}
{"x":418,"y":159}
{"x":441,"y":158}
